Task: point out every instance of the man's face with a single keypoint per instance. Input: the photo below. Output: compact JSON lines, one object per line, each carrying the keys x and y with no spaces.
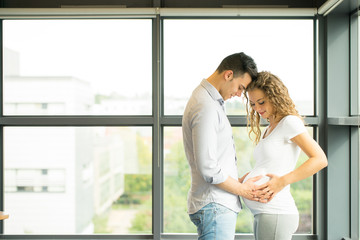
{"x":235,"y":86}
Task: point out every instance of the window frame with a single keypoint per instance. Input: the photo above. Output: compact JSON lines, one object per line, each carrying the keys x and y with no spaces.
{"x":342,"y":123}
{"x":157,"y":120}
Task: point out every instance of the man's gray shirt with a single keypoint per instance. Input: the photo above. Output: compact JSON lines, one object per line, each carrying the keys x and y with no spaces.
{"x":209,"y":148}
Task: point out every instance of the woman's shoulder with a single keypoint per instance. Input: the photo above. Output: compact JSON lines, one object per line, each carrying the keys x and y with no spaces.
{"x":292,"y":119}
{"x":293,"y":125}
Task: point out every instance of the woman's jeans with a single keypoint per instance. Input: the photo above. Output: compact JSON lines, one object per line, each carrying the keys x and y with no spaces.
{"x":215,"y":222}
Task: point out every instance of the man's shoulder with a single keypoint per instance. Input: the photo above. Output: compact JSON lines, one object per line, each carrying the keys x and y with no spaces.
{"x":200,"y":103}
{"x":200,"y":97}
{"x":200,"y":91}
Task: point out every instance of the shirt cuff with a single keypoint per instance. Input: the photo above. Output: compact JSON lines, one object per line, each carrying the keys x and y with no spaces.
{"x":218,"y":178}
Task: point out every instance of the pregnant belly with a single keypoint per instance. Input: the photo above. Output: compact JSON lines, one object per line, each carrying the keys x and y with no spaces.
{"x":281,"y":203}
{"x":257,"y":172}
{"x":255,"y":206}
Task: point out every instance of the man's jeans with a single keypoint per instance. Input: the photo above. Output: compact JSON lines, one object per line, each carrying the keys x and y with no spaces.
{"x":215,"y":222}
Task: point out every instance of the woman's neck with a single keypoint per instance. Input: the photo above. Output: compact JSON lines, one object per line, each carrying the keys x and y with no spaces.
{"x":273,"y":120}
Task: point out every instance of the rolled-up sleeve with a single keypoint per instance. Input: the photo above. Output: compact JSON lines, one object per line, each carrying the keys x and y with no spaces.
{"x":205,"y":124}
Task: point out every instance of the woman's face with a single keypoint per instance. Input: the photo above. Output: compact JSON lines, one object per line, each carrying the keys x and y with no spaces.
{"x":260,"y":103}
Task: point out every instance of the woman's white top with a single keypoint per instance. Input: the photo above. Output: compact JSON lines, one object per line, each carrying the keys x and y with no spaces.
{"x":278,"y":155}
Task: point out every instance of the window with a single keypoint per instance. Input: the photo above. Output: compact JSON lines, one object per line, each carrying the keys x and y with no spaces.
{"x":77,"y":67}
{"x":192,"y":52}
{"x":100,"y":175}
{"x":177,"y":184}
{"x":85,"y":136}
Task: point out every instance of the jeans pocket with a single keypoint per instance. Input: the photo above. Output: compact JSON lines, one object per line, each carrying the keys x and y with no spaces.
{"x":196,"y":218}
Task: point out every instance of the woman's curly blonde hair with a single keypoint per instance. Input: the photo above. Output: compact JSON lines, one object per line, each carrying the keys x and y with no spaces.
{"x":276,"y":93}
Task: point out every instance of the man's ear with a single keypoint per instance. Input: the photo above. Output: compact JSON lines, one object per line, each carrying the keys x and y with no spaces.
{"x":228,"y":75}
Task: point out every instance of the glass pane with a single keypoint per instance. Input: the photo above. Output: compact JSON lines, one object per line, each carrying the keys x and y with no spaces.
{"x":284,"y":47}
{"x":177,"y":183}
{"x":302,"y":192}
{"x":78,"y":180}
{"x":244,"y":152}
{"x":77,"y":67}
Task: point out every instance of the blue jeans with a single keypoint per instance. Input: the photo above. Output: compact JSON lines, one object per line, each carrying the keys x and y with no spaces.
{"x":215,"y":222}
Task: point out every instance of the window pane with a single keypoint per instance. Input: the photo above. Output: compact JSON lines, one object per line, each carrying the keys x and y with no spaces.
{"x":78,"y":180}
{"x":192,"y":52}
{"x":244,"y":152}
{"x":177,"y":183}
{"x":77,"y":67}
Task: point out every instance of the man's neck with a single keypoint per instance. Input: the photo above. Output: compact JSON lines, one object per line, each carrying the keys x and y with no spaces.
{"x":215,"y":80}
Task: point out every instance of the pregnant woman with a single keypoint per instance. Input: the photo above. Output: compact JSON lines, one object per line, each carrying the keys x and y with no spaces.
{"x":276,"y":153}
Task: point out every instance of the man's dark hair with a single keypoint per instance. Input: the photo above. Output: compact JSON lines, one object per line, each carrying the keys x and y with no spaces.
{"x":239,"y":63}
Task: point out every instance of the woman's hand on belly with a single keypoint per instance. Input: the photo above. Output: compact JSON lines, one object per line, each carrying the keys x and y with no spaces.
{"x":248,"y":188}
{"x":259,"y":196}
{"x":267,"y":191}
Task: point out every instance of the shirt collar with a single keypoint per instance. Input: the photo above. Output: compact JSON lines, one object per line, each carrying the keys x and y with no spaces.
{"x":213,"y":92}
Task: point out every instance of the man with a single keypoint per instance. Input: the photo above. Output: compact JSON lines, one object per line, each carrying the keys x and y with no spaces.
{"x":213,"y":200}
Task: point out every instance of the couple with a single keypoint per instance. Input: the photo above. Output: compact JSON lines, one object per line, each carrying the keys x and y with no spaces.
{"x":214,"y":197}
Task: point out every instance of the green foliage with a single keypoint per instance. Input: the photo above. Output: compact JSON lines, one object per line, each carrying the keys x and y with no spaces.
{"x":127,"y":199}
{"x":144,"y":154}
{"x":177,"y":182}
{"x":100,"y":223}
{"x":303,"y":200}
{"x":244,"y":150}
{"x":142,"y":222}
{"x":303,"y":185}
{"x":244,"y":223}
{"x":138,"y":183}
{"x":176,"y":219}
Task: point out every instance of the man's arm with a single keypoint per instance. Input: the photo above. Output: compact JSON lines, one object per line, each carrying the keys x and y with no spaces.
{"x":204,"y":136}
{"x":245,"y":190}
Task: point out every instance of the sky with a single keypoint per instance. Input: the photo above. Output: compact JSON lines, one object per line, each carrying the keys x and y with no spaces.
{"x":111,"y":55}
{"x":115,"y":55}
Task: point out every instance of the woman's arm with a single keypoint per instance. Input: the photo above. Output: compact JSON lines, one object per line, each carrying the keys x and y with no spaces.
{"x":317,"y":161}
